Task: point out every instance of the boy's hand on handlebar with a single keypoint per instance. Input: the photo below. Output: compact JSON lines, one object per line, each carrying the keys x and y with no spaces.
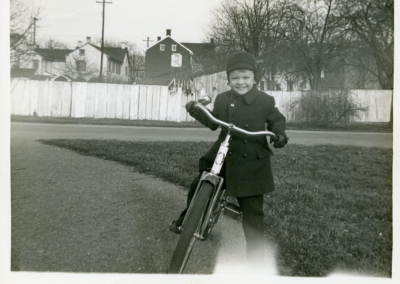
{"x":279,"y":141}
{"x":190,"y":106}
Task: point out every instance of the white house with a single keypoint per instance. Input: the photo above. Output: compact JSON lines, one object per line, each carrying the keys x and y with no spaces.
{"x":86,"y":59}
{"x":48,"y":61}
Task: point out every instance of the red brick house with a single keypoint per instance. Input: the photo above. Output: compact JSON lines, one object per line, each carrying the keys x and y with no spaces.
{"x":169,"y":58}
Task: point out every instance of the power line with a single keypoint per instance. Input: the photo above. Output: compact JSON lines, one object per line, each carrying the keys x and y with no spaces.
{"x":34,"y":31}
{"x":148,"y":39}
{"x":102,"y":39}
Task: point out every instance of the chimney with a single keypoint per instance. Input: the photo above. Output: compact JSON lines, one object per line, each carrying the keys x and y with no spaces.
{"x":168,"y":32}
{"x":123,"y":45}
{"x":212,"y":41}
{"x":158,"y":38}
{"x":79,"y":43}
{"x":88,"y":39}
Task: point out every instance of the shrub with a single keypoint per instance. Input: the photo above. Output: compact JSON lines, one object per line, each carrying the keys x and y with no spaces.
{"x":326,"y":107}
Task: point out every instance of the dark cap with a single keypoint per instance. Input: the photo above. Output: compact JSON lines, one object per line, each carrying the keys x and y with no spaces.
{"x":241,"y":60}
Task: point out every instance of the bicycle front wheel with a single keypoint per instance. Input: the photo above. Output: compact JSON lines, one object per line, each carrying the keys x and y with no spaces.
{"x":187,"y":238}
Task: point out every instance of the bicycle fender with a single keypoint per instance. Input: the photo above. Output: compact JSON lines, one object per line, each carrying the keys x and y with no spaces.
{"x":213,"y":179}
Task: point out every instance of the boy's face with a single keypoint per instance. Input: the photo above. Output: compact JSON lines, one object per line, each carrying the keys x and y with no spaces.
{"x":241,"y":81}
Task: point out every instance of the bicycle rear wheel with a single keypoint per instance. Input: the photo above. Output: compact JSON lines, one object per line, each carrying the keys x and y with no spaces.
{"x":187,"y":238}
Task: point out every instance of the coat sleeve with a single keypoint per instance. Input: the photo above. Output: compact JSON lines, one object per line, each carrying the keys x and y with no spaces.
{"x":203,"y":119}
{"x":276,"y":122}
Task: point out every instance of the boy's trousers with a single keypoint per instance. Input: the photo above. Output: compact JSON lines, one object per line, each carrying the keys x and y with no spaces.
{"x":253,"y":222}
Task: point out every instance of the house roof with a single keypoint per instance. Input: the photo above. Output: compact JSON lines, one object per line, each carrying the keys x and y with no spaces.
{"x":116,"y":53}
{"x":27,"y":73}
{"x":159,"y":81}
{"x":53,"y":54}
{"x":62,"y":77}
{"x":22,"y":72}
{"x":191,"y":52}
{"x":199,"y":48}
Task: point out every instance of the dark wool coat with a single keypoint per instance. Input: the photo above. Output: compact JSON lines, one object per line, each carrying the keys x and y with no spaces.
{"x":247,"y":166}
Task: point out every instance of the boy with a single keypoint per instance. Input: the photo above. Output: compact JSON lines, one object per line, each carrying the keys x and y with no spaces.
{"x":247,"y":169}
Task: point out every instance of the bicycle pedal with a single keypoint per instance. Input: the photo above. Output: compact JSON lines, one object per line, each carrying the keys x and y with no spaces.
{"x":233,"y":211}
{"x":174,"y":228}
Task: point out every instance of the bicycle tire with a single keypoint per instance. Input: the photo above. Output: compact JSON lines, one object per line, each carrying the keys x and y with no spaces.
{"x":187,"y":238}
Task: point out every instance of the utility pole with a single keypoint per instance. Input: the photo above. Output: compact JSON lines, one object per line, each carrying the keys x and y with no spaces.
{"x":102,"y":39}
{"x":34,"y":31}
{"x":148,"y":39}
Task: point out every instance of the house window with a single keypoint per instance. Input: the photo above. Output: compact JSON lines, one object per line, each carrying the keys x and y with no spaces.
{"x":174,"y":47}
{"x":35,"y":63}
{"x":162,"y":47}
{"x":81,"y":52}
{"x":126,"y":70}
{"x":47,"y":65}
{"x":176,"y":60}
{"x":118,"y":68}
{"x":81,"y":65}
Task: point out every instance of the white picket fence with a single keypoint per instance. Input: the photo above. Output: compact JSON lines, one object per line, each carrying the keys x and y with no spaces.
{"x":97,"y":100}
{"x":139,"y":102}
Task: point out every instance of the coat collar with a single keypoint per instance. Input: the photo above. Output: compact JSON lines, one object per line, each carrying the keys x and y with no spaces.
{"x":250,"y":96}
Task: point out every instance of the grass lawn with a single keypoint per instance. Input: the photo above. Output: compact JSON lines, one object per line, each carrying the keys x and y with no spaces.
{"x":354,"y":127}
{"x":332,"y":208}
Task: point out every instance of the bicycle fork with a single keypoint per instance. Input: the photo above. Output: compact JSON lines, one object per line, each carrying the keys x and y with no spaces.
{"x":217,"y":181}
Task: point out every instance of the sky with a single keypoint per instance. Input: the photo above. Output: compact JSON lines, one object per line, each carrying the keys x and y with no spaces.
{"x":71,"y":21}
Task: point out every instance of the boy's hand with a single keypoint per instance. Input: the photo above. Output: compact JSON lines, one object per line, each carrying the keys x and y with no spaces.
{"x":279,"y":141}
{"x":190,"y":106}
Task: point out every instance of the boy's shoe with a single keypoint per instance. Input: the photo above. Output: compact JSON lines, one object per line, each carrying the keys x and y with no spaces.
{"x":174,"y":228}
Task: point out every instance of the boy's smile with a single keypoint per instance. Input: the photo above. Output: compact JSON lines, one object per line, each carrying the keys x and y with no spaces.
{"x":241,"y":81}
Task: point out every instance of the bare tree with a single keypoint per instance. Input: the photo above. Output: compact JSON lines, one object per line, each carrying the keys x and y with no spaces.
{"x":316,"y":35}
{"x":54,"y":43}
{"x":249,"y":25}
{"x":22,"y":20}
{"x":78,"y":67}
{"x":372,"y":23}
{"x":136,"y":63}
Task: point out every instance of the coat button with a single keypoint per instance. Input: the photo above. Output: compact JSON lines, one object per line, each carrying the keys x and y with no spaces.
{"x":245,"y":141}
{"x":229,"y":153}
{"x":232,"y":105}
{"x":244,"y":155}
{"x":246,"y":126}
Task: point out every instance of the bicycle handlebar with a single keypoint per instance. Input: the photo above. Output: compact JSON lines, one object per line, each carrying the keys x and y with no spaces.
{"x":233,"y":127}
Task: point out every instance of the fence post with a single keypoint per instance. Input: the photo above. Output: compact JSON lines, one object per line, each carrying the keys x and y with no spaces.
{"x":134,"y":105}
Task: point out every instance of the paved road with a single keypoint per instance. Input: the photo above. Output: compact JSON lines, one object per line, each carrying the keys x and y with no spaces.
{"x":53,"y":131}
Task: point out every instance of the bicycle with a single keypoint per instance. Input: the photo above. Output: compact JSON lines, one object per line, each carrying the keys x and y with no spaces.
{"x":209,"y":199}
